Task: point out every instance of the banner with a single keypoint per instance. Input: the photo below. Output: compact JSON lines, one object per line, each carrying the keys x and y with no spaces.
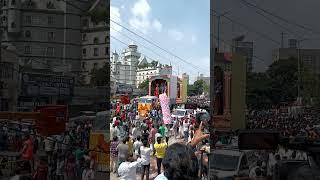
{"x":164,"y":102}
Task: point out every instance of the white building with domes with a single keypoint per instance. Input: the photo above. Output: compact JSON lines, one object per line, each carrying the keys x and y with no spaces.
{"x":132,"y":68}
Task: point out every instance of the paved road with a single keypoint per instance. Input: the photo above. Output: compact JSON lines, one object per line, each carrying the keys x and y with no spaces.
{"x":153,"y":164}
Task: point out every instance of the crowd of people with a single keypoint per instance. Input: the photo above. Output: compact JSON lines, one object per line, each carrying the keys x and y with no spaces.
{"x":58,"y":157}
{"x":301,"y":125}
{"x":136,"y":141}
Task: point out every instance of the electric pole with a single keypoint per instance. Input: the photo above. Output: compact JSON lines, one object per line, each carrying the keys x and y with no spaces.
{"x":282,"y":39}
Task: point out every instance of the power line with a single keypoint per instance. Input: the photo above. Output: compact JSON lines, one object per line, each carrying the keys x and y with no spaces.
{"x":127,"y":45}
{"x":216,"y":13}
{"x":272,"y":21}
{"x":71,"y":4}
{"x":154,"y":44}
{"x":142,"y":45}
{"x":281,"y":18}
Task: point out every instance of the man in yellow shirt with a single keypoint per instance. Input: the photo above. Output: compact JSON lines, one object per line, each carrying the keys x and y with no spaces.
{"x":160,"y":151}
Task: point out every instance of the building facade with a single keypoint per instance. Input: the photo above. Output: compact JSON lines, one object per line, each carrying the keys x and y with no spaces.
{"x":124,"y":67}
{"x":245,"y":49}
{"x":309,"y":57}
{"x":132,"y":68}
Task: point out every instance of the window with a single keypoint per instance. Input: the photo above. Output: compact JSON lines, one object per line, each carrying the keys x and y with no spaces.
{"x":106,"y":40}
{"x":85,"y":22}
{"x":50,"y":51}
{"x":4,"y":19}
{"x":84,"y":37}
{"x":50,"y":20}
{"x":50,"y":5}
{"x":107,"y":50}
{"x":50,"y":35}
{"x":13,"y":2}
{"x":27,"y":50}
{"x":83,"y":65}
{"x":84,"y":52}
{"x":13,"y":25}
{"x":95,"y":65}
{"x":28,"y":19}
{"x":27,"y":34}
{"x":95,"y":40}
{"x":95,"y":52}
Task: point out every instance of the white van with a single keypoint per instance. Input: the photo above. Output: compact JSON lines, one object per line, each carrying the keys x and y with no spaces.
{"x":227,"y":163}
{"x":179,"y":113}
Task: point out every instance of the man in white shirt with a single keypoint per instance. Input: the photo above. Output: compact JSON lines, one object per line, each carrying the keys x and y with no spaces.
{"x":145,"y":153}
{"x":134,"y":132}
{"x":136,"y":146}
{"x":128,"y":169}
{"x":88,"y":173}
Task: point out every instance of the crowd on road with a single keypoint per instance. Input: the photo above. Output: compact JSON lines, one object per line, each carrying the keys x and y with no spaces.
{"x":137,"y":142}
{"x":300,"y":125}
{"x":58,"y":157}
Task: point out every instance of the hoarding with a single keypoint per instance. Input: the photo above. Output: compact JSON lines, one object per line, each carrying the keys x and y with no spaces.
{"x":47,"y":85}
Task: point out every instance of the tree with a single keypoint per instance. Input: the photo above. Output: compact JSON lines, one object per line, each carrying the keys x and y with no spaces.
{"x":191,"y":90}
{"x":100,"y":77}
{"x":144,"y":85}
{"x":199,"y":86}
{"x":153,"y":63}
{"x":283,"y":77}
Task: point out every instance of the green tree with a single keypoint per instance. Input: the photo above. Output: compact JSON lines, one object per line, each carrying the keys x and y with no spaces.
{"x":154,"y":63}
{"x":191,"y":90}
{"x":144,"y":85}
{"x":199,"y":87}
{"x":258,"y":89}
{"x":283,"y":78}
{"x":100,"y":77}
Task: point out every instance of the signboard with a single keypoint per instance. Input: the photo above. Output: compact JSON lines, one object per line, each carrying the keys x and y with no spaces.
{"x":124,"y":89}
{"x":47,"y":85}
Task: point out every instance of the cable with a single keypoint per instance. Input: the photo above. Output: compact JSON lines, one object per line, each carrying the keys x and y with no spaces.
{"x":274,"y":22}
{"x":141,"y":45}
{"x":216,"y":13}
{"x":154,"y":44}
{"x":281,"y":18}
{"x":127,"y":45}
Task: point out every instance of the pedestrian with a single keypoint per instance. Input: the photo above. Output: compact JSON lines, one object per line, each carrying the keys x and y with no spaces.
{"x":128,"y":169}
{"x":123,"y":151}
{"x":70,"y":167}
{"x":166,"y":133}
{"x":162,"y":130}
{"x":114,"y":154}
{"x":186,"y":130}
{"x":41,"y":172}
{"x":60,"y":166}
{"x":88,"y":172}
{"x":134,"y":132}
{"x":151,"y":137}
{"x":27,"y":152}
{"x":145,"y":135}
{"x":80,"y":168}
{"x":145,"y":153}
{"x":159,"y":151}
{"x":136,"y":146}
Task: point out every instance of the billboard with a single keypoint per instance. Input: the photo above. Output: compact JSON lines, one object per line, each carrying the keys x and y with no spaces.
{"x":47,"y":85}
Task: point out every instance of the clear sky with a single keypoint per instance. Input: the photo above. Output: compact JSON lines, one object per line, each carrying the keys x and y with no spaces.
{"x":179,"y":26}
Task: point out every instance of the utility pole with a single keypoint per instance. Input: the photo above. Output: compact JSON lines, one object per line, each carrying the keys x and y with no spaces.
{"x":282,"y":39}
{"x":299,"y":74}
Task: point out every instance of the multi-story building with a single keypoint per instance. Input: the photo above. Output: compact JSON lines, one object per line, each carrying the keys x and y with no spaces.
{"x":47,"y":33}
{"x":95,"y":42}
{"x":204,"y":78}
{"x":245,"y":49}
{"x":47,"y":36}
{"x":186,"y":77}
{"x":132,"y":68}
{"x":147,"y":70}
{"x":309,"y":57}
{"x":124,"y":67}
